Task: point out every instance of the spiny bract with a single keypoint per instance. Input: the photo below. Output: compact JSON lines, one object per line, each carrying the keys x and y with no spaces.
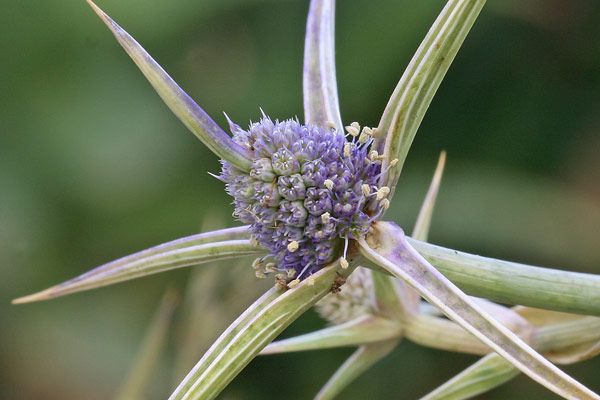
{"x":307,"y":192}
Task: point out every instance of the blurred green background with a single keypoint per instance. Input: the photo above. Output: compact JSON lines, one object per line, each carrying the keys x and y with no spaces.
{"x":93,"y":166}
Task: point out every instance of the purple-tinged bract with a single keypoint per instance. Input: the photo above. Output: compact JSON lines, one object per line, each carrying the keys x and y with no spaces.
{"x":307,"y":191}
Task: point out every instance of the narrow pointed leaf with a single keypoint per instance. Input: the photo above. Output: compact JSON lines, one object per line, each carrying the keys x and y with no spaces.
{"x":188,"y":112}
{"x":362,"y":359}
{"x":222,"y":363}
{"x":421,"y":229}
{"x":179,"y":253}
{"x":514,"y":283}
{"x":415,"y":90}
{"x":146,"y":361}
{"x":363,"y":330}
{"x":321,"y":105}
{"x":388,"y":247}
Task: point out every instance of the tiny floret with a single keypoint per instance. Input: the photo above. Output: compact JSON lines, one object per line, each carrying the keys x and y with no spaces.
{"x":309,"y":191}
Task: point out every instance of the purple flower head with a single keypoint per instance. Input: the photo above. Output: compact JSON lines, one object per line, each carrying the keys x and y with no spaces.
{"x":308,"y":190}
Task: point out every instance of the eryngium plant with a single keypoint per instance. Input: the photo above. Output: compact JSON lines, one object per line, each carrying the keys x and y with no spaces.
{"x":312,"y":197}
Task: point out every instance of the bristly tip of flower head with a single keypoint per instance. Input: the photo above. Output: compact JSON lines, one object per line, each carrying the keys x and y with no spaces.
{"x":306,"y":194}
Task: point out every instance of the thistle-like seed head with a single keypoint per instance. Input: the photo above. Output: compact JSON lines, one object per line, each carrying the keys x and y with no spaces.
{"x":306,"y":192}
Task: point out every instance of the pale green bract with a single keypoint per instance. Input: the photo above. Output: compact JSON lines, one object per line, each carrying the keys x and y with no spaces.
{"x":384,"y":303}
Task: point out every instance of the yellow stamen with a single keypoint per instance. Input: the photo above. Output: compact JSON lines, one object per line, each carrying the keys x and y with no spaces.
{"x":271,"y":267}
{"x":353,"y":129}
{"x":344,"y":263}
{"x":347,"y":150}
{"x":363,"y":138}
{"x":293,"y":283}
{"x":373,"y":155}
{"x":366,"y":189}
{"x":383,"y":192}
{"x":293,"y":246}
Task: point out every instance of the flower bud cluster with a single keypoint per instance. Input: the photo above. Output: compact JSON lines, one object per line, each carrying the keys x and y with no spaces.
{"x":306,"y":194}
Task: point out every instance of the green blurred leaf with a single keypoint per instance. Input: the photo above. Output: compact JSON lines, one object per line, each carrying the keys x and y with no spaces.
{"x":362,"y":359}
{"x":148,"y":355}
{"x":487,"y":373}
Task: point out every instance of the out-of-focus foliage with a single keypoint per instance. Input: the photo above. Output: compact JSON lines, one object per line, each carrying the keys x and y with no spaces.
{"x":93,"y":166}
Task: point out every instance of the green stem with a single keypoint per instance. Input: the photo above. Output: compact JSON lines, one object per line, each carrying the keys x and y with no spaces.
{"x":514,"y":283}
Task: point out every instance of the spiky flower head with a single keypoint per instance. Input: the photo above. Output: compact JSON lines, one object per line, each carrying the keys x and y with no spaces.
{"x":307,"y":192}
